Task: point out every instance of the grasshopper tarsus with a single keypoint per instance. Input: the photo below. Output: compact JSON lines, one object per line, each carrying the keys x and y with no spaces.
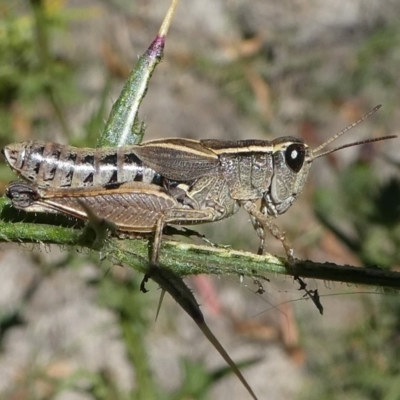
{"x":313,"y":295}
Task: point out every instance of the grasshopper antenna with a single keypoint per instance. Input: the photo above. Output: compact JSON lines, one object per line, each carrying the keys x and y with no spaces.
{"x":342,"y":132}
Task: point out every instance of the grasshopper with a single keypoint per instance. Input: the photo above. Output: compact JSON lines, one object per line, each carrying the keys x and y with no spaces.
{"x":143,"y":188}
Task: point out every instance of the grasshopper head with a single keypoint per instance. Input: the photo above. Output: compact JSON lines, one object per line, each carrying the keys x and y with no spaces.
{"x":292,"y":161}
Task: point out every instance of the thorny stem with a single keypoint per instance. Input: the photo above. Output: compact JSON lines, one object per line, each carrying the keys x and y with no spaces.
{"x":172,"y":283}
{"x":187,"y":259}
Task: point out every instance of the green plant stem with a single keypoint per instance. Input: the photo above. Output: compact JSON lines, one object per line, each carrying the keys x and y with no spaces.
{"x":187,"y":259}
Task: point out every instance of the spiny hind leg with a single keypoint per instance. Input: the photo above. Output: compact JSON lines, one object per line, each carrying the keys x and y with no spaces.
{"x":154,"y":252}
{"x":173,"y":216}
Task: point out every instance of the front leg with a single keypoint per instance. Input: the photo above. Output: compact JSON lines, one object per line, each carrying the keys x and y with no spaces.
{"x":262,"y":248}
{"x":263,"y":222}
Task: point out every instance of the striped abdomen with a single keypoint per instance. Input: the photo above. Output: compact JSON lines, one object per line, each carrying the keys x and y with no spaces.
{"x":53,"y":165}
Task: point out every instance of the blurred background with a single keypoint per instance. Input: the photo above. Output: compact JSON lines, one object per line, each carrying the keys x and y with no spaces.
{"x":73,"y":328}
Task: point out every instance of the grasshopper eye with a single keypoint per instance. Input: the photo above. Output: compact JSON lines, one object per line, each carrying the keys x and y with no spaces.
{"x":294,"y":156}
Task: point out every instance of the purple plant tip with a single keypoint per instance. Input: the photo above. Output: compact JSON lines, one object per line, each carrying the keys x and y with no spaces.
{"x":156,"y":49}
